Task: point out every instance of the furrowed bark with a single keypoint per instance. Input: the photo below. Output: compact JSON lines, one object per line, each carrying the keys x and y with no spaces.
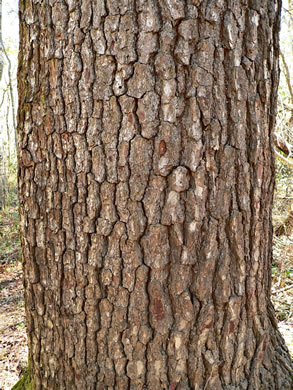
{"x":146,"y":183}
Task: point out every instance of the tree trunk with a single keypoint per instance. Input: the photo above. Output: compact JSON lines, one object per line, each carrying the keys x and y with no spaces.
{"x":146,"y":185}
{"x":3,"y":179}
{"x":1,"y":48}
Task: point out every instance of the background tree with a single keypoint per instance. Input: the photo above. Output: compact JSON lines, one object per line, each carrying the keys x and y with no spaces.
{"x":283,"y":131}
{"x":3,"y":178}
{"x":146,"y":181}
{"x":1,"y":54}
{"x":284,"y":139}
{"x":8,"y":54}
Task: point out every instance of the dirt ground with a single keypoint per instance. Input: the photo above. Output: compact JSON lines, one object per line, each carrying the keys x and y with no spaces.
{"x":13,"y":349}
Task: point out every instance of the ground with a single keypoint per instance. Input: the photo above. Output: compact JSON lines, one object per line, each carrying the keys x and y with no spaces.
{"x":13,"y":350}
{"x":282,"y":267}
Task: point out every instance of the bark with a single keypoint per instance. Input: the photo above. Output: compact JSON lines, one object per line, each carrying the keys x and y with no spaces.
{"x":146,"y":180}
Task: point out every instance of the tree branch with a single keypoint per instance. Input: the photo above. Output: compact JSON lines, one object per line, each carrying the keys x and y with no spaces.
{"x":289,"y":13}
{"x":286,"y":160}
{"x":287,"y":75}
{"x":283,"y":289}
{"x":282,"y":145}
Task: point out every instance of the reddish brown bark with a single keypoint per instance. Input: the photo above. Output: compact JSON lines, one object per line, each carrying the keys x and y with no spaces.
{"x":146,"y":183}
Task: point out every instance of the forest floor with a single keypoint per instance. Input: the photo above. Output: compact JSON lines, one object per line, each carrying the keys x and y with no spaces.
{"x":13,"y":349}
{"x":282,"y":267}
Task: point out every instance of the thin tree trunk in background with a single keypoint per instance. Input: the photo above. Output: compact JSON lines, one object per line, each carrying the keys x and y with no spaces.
{"x":8,"y":130}
{"x":10,"y":86}
{"x":10,"y":89}
{"x":3,"y":179}
{"x":3,"y":171}
{"x":146,"y":178}
{"x":1,"y":55}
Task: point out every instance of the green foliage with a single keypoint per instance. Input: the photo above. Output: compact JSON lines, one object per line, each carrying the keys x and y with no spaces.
{"x":21,"y":325}
{"x":25,"y":382}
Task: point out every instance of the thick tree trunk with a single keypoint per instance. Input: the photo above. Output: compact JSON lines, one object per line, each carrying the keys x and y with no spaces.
{"x":146,"y":184}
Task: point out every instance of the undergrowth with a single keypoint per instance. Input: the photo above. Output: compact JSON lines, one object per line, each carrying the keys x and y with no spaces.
{"x":9,"y":226}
